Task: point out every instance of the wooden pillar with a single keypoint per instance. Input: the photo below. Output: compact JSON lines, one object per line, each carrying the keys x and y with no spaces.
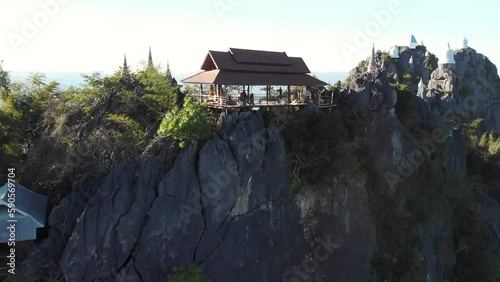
{"x":267,"y":94}
{"x":219,"y":94}
{"x":216,"y":93}
{"x":289,"y":95}
{"x":201,"y":93}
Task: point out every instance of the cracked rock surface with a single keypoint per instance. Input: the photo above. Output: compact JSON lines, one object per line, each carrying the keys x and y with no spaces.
{"x":224,"y":205}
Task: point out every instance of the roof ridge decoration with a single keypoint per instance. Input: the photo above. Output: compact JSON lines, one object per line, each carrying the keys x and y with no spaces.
{"x":249,"y":56}
{"x":253,"y":67}
{"x":254,"y":61}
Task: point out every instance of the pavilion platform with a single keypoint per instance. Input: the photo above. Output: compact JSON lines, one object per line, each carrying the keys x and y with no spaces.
{"x":244,"y":68}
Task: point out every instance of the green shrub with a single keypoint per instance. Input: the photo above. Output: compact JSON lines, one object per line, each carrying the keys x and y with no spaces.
{"x":490,"y":143}
{"x":295,"y":184}
{"x":405,"y":107}
{"x":431,"y":62}
{"x":407,"y":75}
{"x":190,"y":273}
{"x":386,"y":59}
{"x":475,"y":123}
{"x":189,"y":124}
{"x":158,"y":93}
{"x":400,"y":87}
{"x":131,"y":127}
{"x":322,"y":146}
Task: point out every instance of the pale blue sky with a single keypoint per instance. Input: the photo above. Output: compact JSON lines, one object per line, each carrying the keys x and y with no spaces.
{"x":92,"y":35}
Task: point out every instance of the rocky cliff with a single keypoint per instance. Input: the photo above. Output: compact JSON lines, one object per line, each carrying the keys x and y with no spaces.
{"x":213,"y":206}
{"x":416,"y":139}
{"x":226,"y":205}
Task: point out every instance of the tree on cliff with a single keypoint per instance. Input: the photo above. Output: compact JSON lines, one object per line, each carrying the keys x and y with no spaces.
{"x":188,"y":124}
{"x":21,"y":116}
{"x":4,"y":83}
{"x":159,"y":94}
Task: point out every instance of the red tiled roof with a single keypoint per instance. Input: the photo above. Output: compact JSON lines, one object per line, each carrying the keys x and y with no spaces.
{"x":227,"y":61}
{"x":249,"y":78}
{"x":244,"y":56}
{"x":253,"y":67}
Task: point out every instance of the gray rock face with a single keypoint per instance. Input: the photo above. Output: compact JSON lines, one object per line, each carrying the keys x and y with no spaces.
{"x":224,"y":205}
{"x":470,"y":88}
{"x":359,"y":91}
{"x":438,"y":249}
{"x":175,"y":223}
{"x":95,"y":233}
{"x":418,"y":68}
{"x":386,"y":144}
{"x":490,"y":222}
{"x":373,"y":90}
{"x":62,"y":220}
{"x":384,"y":95}
{"x":457,"y":151}
{"x":343,"y":217}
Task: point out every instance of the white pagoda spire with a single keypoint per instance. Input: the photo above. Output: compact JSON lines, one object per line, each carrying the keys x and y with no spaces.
{"x":449,"y":57}
{"x":421,"y":89}
{"x":465,"y":43}
{"x":421,"y":86}
{"x":394,"y":52}
{"x":413,"y":42}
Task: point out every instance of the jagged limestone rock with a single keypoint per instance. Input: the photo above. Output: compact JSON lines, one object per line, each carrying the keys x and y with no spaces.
{"x":143,"y":220}
{"x":344,"y":214}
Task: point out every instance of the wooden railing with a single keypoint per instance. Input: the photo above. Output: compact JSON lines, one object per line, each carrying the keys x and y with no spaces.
{"x":325,"y":101}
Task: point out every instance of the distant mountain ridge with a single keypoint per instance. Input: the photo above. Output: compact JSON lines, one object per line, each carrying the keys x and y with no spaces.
{"x":331,"y":77}
{"x":65,"y":79}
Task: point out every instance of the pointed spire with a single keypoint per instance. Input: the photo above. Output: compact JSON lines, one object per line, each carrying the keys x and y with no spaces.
{"x":411,"y":61}
{"x":168,"y":75}
{"x":421,"y":84}
{"x":449,"y":57}
{"x":413,"y":42}
{"x":421,"y":88}
{"x":150,"y":59}
{"x":125,"y":70}
{"x":465,"y":43}
{"x":394,"y":52}
{"x":372,"y":64}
